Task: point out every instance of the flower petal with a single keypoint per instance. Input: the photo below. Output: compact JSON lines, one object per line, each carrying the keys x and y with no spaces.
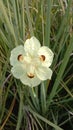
{"x":31,"y":82}
{"x":32,"y":45}
{"x":18,"y":71}
{"x":15,"y":53}
{"x":43,"y":73}
{"x":47,"y":56}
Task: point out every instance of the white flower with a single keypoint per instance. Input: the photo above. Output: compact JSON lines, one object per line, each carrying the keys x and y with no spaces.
{"x":31,"y":62}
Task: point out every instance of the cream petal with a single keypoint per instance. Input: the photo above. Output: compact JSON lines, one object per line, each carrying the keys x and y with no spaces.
{"x":14,"y":54}
{"x":47,"y":54}
{"x":18,"y":71}
{"x":30,"y":69}
{"x":32,"y":45}
{"x":31,"y":82}
{"x":43,"y":73}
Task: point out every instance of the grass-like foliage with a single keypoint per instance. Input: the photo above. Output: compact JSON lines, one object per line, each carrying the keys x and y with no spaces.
{"x":48,"y":106}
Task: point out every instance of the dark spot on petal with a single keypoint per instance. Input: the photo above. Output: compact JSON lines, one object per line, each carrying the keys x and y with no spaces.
{"x":30,"y":75}
{"x":20,"y":57}
{"x":42,"y":58}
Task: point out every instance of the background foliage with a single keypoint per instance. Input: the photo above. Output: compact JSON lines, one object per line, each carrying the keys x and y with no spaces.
{"x":50,"y":105}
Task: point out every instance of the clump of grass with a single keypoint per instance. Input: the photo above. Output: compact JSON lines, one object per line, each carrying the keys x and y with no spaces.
{"x":48,"y":106}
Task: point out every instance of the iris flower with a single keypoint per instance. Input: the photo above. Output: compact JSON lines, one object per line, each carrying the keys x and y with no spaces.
{"x":31,"y":62}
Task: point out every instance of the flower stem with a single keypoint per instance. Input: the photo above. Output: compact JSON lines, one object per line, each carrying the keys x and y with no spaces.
{"x":34,"y":94}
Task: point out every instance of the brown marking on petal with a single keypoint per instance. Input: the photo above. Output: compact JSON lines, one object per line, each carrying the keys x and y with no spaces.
{"x":30,"y":75}
{"x":42,"y":58}
{"x":20,"y":57}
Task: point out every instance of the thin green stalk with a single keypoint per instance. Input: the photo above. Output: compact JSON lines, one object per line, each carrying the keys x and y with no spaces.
{"x":29,"y":18}
{"x":37,"y":120}
{"x":48,"y":23}
{"x":63,"y":24}
{"x":45,"y":120}
{"x":15,"y":17}
{"x":23,"y":22}
{"x":61,"y":71}
{"x":61,"y":46}
{"x":43,"y":99}
{"x":18,"y":14}
{"x":9,"y":12}
{"x":4,"y":101}
{"x":4,"y":38}
{"x":20,"y":112}
{"x":42,"y":13}
{"x":34,"y":98}
{"x":3,"y":11}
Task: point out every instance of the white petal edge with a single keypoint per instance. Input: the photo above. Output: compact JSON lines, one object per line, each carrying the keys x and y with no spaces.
{"x":43,"y":73}
{"x":17,"y":71}
{"x":32,"y":45}
{"x":31,"y":82}
{"x":14,"y":54}
{"x":48,"y":55}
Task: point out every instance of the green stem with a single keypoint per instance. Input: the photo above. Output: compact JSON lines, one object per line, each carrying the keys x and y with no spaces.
{"x":20,"y":114}
{"x":48,"y":22}
{"x":61,"y":71}
{"x":43,"y":99}
{"x":29,"y":18}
